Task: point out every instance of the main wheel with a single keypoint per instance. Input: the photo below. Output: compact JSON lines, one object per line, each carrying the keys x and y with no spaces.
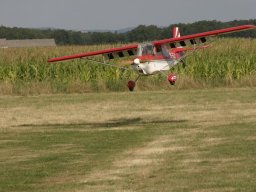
{"x":131,"y":85}
{"x":172,"y":79}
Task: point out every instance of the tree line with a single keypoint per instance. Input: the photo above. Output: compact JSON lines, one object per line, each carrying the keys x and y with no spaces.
{"x":138,"y":34}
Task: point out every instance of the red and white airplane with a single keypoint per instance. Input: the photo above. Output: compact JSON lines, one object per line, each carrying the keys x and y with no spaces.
{"x":158,"y":56}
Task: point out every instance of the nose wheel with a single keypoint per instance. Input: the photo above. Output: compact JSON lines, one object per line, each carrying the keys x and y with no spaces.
{"x":131,"y":84}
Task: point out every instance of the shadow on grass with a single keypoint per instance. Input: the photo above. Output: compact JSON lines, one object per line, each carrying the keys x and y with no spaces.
{"x":123,"y":122}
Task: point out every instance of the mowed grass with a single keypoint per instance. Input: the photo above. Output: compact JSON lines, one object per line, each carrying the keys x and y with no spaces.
{"x":182,"y":140}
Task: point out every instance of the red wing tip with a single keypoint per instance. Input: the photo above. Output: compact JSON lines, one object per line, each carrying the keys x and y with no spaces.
{"x":57,"y":59}
{"x":54,"y":60}
{"x":50,"y":60}
{"x":250,"y":26}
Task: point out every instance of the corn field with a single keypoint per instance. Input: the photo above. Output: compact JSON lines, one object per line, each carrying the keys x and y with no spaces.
{"x":228,"y":62}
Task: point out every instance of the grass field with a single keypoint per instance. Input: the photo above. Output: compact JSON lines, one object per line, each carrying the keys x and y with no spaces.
{"x":182,"y":140}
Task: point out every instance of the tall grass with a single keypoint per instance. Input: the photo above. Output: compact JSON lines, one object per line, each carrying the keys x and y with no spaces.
{"x":229,"y":62}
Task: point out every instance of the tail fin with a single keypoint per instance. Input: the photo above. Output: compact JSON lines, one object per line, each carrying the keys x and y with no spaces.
{"x":176,"y":32}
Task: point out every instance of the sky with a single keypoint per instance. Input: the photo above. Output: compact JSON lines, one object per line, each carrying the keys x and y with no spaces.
{"x":119,"y":14}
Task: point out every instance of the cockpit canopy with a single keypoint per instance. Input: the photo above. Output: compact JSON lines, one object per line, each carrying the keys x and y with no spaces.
{"x":146,"y":49}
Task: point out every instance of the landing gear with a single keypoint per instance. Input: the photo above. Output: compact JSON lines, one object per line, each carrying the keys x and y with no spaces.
{"x":131,"y":84}
{"x":172,"y":79}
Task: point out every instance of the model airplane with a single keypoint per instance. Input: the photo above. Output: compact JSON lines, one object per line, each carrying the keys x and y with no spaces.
{"x":158,"y":56}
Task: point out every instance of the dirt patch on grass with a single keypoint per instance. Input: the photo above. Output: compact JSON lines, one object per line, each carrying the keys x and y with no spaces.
{"x":207,"y":142}
{"x":251,"y":138}
{"x":224,"y":189}
{"x":137,"y":161}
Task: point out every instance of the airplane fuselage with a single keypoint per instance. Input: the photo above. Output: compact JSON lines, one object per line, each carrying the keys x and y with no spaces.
{"x":151,"y":60}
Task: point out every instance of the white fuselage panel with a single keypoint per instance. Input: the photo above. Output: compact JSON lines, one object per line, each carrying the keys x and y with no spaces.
{"x":153,"y":67}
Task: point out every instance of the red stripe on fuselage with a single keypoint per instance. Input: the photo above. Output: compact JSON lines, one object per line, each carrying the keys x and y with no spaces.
{"x":146,"y":58}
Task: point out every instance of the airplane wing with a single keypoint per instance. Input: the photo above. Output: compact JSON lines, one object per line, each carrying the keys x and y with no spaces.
{"x":129,"y":50}
{"x":199,"y":38}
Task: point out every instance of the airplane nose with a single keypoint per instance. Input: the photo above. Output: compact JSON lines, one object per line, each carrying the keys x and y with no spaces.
{"x":136,"y":61}
{"x":137,"y":66}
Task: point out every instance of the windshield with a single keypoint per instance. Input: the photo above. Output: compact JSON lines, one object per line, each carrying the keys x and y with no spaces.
{"x":146,"y":49}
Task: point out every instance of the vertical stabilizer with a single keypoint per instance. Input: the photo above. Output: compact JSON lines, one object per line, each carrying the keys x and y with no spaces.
{"x":175,"y":32}
{"x":178,"y":51}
